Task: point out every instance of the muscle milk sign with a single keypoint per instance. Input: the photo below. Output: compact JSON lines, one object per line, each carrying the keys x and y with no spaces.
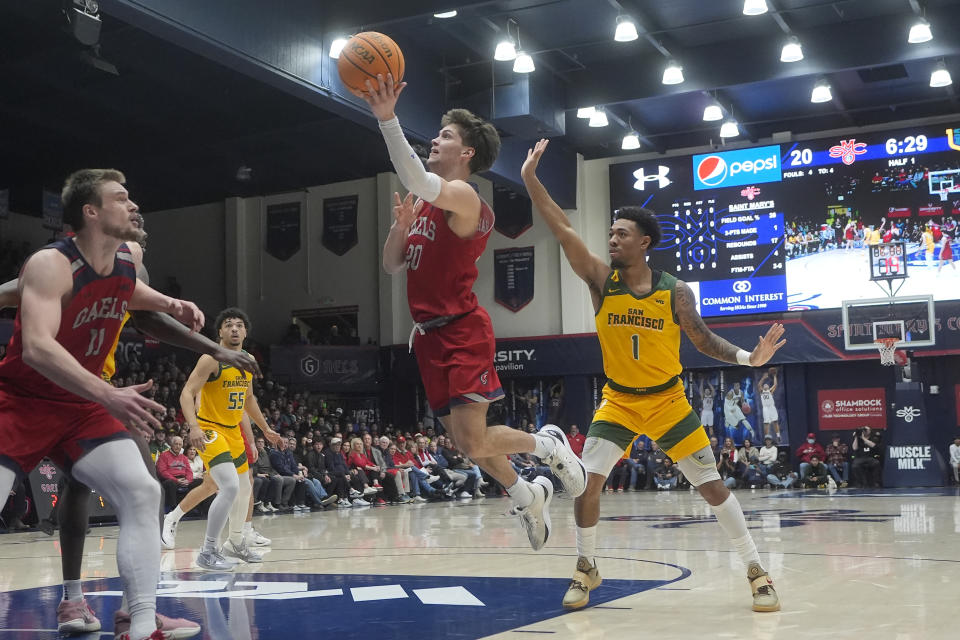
{"x":852,"y":408}
{"x":910,"y":459}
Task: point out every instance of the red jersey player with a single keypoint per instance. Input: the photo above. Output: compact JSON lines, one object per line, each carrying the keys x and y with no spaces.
{"x":438,"y":241}
{"x":73,"y":297}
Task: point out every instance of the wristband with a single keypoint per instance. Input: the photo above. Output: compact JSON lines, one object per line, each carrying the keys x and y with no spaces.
{"x":743,"y":357}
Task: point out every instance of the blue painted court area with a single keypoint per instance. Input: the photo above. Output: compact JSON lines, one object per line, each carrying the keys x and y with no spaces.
{"x":281,"y":606}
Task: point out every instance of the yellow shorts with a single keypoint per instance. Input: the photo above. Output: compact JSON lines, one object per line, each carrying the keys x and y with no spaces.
{"x":665,"y":417}
{"x":224,"y":444}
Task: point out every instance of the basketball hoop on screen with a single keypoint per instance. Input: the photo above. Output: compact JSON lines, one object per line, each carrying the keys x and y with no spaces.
{"x":889,"y":355}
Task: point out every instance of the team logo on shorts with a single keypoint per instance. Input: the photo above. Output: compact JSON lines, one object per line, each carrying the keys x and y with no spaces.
{"x":209,"y":435}
{"x":484,"y":377}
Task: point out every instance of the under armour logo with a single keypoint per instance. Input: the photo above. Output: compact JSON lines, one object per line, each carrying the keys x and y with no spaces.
{"x":660,"y":177}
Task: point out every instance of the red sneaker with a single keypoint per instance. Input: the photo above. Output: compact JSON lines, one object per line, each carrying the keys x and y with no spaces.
{"x":76,"y":616}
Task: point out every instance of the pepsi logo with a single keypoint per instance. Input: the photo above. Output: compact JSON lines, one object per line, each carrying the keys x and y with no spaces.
{"x":712,"y":170}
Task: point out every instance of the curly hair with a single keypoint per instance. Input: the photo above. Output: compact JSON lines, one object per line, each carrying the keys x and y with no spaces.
{"x":645,"y":219}
{"x":477,"y":133}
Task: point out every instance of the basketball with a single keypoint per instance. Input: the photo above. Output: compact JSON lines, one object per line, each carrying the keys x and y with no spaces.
{"x":367,"y":54}
{"x":745,"y":408}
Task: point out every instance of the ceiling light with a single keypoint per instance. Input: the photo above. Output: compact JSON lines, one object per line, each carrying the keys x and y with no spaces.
{"x":821,"y":92}
{"x":940,"y":76}
{"x":792,"y":51}
{"x":626,"y":29}
{"x":523,"y":63}
{"x":729,"y":129}
{"x":712,"y":112}
{"x":673,"y":74}
{"x":446,"y":14}
{"x":631,"y":141}
{"x":754,"y":7}
{"x":506,"y":50}
{"x":585,"y":112}
{"x":599,"y":118}
{"x":920,"y":32}
{"x":337,"y":46}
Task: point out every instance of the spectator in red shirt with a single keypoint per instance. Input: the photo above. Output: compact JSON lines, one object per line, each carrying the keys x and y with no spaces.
{"x":807,"y":450}
{"x":577,"y":440}
{"x":174,"y":472}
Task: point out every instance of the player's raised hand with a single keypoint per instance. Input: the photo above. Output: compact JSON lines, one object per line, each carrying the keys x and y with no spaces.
{"x":382,"y":96}
{"x":132,"y":409}
{"x":187,"y":313}
{"x":405,"y":211}
{"x":767,"y":345}
{"x":529,"y":168}
{"x":239,"y":360}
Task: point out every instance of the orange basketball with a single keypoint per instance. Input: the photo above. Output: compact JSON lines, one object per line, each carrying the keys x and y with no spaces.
{"x":745,"y":407}
{"x":367,"y":54}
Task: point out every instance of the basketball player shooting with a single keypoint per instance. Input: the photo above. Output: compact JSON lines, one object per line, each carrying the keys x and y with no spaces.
{"x":438,"y":241}
{"x":639,"y":315}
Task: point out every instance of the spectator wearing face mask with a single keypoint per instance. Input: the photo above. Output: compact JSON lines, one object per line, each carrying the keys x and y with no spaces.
{"x":806,"y":451}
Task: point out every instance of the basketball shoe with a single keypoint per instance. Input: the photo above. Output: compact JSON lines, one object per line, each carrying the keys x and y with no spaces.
{"x":241,"y":552}
{"x":213,"y":561}
{"x":585,"y":579}
{"x":564,"y":462}
{"x":765,"y":597}
{"x":167,"y":628}
{"x":535,"y":517}
{"x":168,"y":533}
{"x":76,"y":616}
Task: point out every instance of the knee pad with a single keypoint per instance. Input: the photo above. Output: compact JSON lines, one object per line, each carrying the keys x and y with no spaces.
{"x":699,"y":467}
{"x":600,"y":455}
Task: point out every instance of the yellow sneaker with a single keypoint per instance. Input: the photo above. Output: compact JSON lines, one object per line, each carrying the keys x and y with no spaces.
{"x":765,"y":597}
{"x":585,"y":579}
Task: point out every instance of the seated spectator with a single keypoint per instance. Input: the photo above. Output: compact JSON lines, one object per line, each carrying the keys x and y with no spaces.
{"x":267,"y":483}
{"x":817,"y":474}
{"x":715,"y":447}
{"x":420,"y":481}
{"x":196,"y":462}
{"x":637,"y":463}
{"x":337,"y":467}
{"x":619,"y":476}
{"x":807,"y":449}
{"x":667,"y":475}
{"x":307,"y":485}
{"x":577,"y":440}
{"x":654,"y":461}
{"x":175,"y":473}
{"x":748,"y":454}
{"x":400,"y":478}
{"x":358,"y":461}
{"x":780,"y":474}
{"x":316,"y":464}
{"x":767,"y":455}
{"x":457,"y":467}
{"x":159,"y":444}
{"x":727,"y":464}
{"x":838,"y":462}
{"x":867,"y":456}
{"x":284,"y":464}
{"x":955,"y":459}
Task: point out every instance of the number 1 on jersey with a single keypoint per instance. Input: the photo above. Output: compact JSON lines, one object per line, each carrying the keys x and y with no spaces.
{"x":96,"y":342}
{"x":635,"y":339}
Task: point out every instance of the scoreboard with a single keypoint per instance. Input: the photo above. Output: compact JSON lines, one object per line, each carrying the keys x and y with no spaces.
{"x":794,"y":226}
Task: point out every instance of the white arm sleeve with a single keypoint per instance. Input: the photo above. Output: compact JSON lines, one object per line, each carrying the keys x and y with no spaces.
{"x":409,"y":168}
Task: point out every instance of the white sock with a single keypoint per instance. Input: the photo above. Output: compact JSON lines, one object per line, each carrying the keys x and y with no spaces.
{"x":520,"y":493}
{"x":587,"y":543}
{"x":176,"y":514}
{"x":543,"y":445}
{"x":225,"y":475}
{"x":238,"y":511}
{"x":72,"y":590}
{"x":730,"y":516}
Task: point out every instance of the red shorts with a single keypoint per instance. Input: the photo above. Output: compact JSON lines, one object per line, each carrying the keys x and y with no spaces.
{"x":248,"y":448}
{"x":456,"y":362}
{"x":32,"y":429}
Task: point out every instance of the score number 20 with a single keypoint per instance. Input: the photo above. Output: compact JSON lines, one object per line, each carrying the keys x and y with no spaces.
{"x":800,"y":157}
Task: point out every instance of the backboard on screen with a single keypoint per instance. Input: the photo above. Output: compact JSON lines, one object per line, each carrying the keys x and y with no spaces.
{"x":909,"y":319}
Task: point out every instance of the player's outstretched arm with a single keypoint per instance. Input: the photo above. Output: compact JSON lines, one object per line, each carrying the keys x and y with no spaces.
{"x":206,"y":366}
{"x":709,"y":343}
{"x":9,"y":294}
{"x":585,"y":264}
{"x":145,"y":298}
{"x":404,"y":213}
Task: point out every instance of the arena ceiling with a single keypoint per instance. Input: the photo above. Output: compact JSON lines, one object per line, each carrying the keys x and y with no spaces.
{"x":182,"y":122}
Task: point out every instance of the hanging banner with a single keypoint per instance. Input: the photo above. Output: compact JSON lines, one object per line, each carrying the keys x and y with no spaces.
{"x":513,"y":277}
{"x":852,"y":408}
{"x":52,"y":211}
{"x":4,"y":204}
{"x":514,"y":212}
{"x":283,"y":230}
{"x":340,"y":223}
{"x":326,"y":368}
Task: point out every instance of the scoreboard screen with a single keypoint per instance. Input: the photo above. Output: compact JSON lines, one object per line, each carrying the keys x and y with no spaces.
{"x":798,"y":226}
{"x":888,"y":261}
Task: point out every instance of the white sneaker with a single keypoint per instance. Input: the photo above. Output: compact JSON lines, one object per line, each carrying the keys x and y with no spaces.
{"x":535,"y":517}
{"x":242,"y":552}
{"x":564,"y":462}
{"x":360,"y":502}
{"x":479,"y":495}
{"x":269,"y":508}
{"x":419,"y":499}
{"x":168,"y":534}
{"x":213,"y":561}
{"x":257,"y":539}
{"x":466,"y":495}
{"x":343,"y":504}
{"x":354,"y":493}
{"x":432,"y":479}
{"x":296,"y":507}
{"x":369,"y":491}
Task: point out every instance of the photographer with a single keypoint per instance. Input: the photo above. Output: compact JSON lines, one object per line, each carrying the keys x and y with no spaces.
{"x":867,"y":457}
